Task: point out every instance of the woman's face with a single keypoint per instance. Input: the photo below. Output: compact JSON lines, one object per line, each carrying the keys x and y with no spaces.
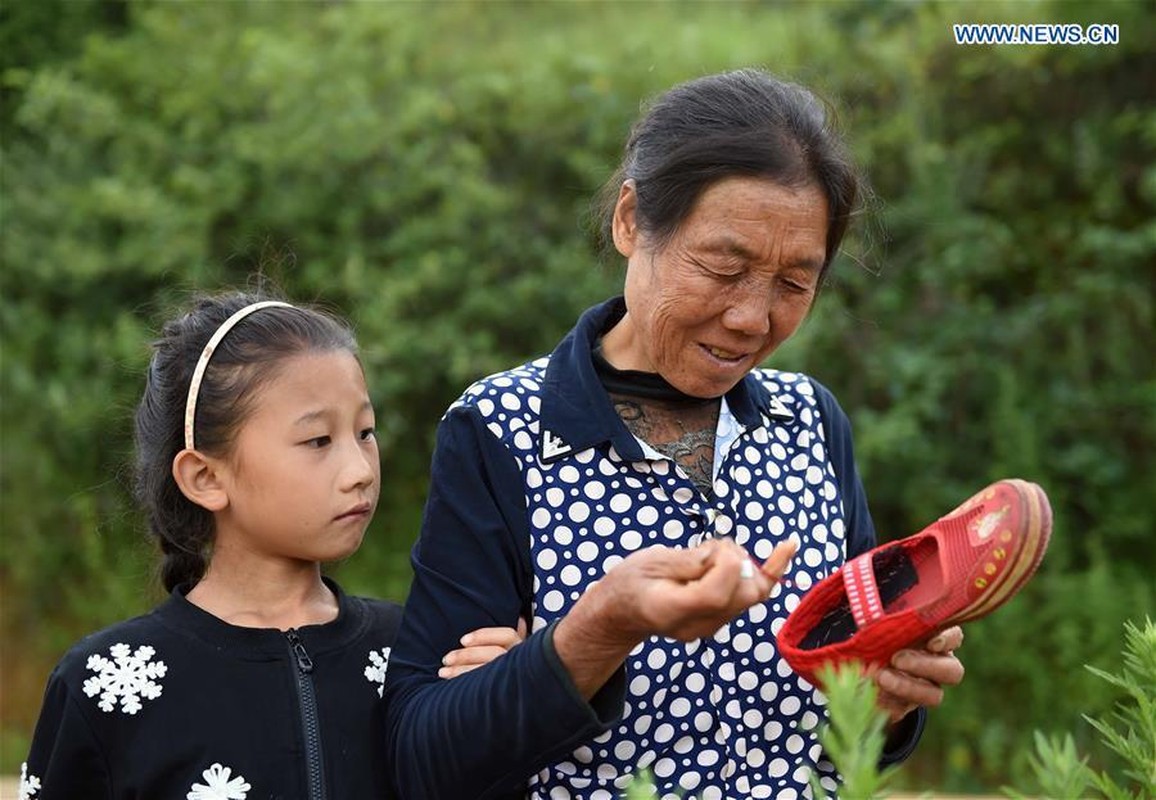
{"x":732,"y":284}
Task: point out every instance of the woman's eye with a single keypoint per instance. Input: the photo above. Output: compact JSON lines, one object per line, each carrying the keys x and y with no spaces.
{"x":318,"y":441}
{"x":796,"y":287}
{"x":368,"y":434}
{"x":726,"y":272}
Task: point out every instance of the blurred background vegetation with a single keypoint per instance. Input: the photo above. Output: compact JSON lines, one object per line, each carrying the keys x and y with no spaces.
{"x":426,"y":169}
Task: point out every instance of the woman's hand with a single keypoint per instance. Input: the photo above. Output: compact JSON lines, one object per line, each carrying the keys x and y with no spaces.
{"x":481,"y":647}
{"x":685,"y":594}
{"x":916,"y":676}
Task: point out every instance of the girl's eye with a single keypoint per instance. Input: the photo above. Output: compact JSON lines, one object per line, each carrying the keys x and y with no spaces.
{"x":318,"y":442}
{"x":367,"y":434}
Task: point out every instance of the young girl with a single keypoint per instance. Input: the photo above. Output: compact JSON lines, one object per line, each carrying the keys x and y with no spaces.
{"x":258,"y":677}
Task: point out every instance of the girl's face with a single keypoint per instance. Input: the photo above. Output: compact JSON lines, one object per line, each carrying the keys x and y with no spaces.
{"x":734,"y":282}
{"x":304,"y":474}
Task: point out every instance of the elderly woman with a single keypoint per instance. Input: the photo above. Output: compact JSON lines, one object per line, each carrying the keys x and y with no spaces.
{"x":614,"y":493}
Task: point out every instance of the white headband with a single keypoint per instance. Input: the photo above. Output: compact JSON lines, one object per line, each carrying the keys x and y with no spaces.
{"x":207,"y":353}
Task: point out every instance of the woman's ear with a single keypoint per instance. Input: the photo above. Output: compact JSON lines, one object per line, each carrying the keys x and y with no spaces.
{"x":199,"y":478}
{"x":623,"y":227}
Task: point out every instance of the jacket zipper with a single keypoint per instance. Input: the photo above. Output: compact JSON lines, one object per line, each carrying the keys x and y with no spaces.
{"x":309,"y":721}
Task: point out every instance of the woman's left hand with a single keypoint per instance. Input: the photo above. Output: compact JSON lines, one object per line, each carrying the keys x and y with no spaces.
{"x":916,"y":676}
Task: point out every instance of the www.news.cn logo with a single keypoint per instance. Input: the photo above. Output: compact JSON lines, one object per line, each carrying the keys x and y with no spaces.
{"x":1040,"y":33}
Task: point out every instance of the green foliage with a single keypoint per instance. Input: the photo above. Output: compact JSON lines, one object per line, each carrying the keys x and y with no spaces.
{"x":425,"y":169}
{"x":853,"y":738}
{"x":1130,"y":732}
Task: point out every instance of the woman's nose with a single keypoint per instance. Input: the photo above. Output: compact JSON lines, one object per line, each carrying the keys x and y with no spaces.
{"x":750,"y":314}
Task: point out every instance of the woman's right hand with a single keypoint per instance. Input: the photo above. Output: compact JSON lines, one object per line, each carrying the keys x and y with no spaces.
{"x":685,"y":594}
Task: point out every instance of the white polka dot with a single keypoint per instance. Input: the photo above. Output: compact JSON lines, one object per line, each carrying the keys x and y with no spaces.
{"x":553,"y":600}
{"x":540,"y":518}
{"x":673,"y":529}
{"x":786,"y":504}
{"x":563,"y":535}
{"x":680,"y":707}
{"x":630,"y":540}
{"x":742,"y":642}
{"x":664,"y":733}
{"x":754,"y":511}
{"x":647,"y":516}
{"x":642,"y":724}
{"x":555,"y":497}
{"x":594,"y":490}
{"x":611,"y":562}
{"x":579,"y":512}
{"x":703,"y":722}
{"x":547,"y":559}
{"x":619,"y":503}
{"x":790,"y":706}
{"x":624,"y":750}
{"x":587,"y":551}
{"x":682,"y":495}
{"x":794,"y":483}
{"x":486,"y":406}
{"x":604,"y":526}
{"x":748,"y":680}
{"x":778,"y":768}
{"x":571,"y":575}
{"x":511,"y":402}
{"x":757,"y":613}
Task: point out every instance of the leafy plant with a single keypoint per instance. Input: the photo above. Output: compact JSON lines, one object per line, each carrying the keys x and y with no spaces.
{"x":853,"y":737}
{"x":1130,"y":732}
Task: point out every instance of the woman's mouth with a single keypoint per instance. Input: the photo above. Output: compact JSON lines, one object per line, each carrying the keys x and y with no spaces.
{"x":725,"y":356}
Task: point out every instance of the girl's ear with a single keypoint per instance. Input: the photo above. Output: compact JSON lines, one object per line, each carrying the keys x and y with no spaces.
{"x":199,"y":479}
{"x":624,"y":227}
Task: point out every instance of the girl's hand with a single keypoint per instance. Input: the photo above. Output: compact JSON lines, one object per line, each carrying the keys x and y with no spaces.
{"x":481,"y":647}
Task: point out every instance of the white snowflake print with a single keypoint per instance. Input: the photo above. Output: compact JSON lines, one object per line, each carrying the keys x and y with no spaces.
{"x":218,"y":786}
{"x":29,"y":784}
{"x":375,"y":672}
{"x":128,"y":676}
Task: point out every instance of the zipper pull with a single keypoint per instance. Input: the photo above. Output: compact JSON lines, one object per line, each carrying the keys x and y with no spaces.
{"x":304,"y":662}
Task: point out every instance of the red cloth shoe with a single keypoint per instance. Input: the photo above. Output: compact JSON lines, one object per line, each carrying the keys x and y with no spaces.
{"x":961,"y":567}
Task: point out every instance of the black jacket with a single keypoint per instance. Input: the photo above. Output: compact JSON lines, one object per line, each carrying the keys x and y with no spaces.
{"x":177,"y":704}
